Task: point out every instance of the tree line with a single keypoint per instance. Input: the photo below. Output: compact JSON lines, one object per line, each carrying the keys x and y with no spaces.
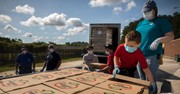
{"x":14,"y":45}
{"x":10,"y":48}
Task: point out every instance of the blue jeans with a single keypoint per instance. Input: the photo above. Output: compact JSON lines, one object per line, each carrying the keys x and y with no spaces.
{"x":153,"y":63}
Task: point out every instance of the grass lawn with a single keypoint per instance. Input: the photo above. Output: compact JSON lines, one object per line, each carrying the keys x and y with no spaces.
{"x":9,"y":68}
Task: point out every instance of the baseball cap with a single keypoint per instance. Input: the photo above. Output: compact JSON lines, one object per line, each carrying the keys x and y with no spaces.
{"x":50,"y":46}
{"x":148,"y":6}
{"x":109,"y":46}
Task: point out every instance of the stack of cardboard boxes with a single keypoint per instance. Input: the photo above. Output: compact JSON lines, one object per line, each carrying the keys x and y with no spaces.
{"x":72,"y":81}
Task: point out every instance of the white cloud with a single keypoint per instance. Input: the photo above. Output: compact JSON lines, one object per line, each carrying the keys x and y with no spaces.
{"x":27,"y":34}
{"x":54,"y":19}
{"x":7,"y":36}
{"x":45,"y":33}
{"x":59,"y":28}
{"x":134,"y":19}
{"x":26,"y":9}
{"x":5,"y":18}
{"x":42,"y":28}
{"x":37,"y":38}
{"x":46,"y":37}
{"x":130,"y":5}
{"x":76,"y":30}
{"x":101,"y":3}
{"x":10,"y":28}
{"x":1,"y":33}
{"x":33,"y":21}
{"x":73,"y":26}
{"x":76,"y":22}
{"x":117,"y":10}
{"x":34,"y":38}
{"x":126,"y":21}
{"x":116,"y":3}
{"x":61,"y":38}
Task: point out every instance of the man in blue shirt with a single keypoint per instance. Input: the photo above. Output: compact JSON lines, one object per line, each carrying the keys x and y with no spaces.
{"x":154,"y":31}
{"x":24,"y":62}
{"x":52,"y":61}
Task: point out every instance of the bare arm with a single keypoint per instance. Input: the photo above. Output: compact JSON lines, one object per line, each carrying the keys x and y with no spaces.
{"x":34,"y":65}
{"x":167,"y":38}
{"x":105,"y":68}
{"x":44,"y":65}
{"x":17,"y":66}
{"x":59,"y":63}
{"x":115,"y":61}
{"x":148,"y":74}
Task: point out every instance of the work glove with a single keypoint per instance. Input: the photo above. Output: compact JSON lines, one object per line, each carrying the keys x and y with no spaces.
{"x":115,"y":71}
{"x":155,"y":44}
{"x":153,"y":88}
{"x":98,"y":70}
{"x":33,"y":71}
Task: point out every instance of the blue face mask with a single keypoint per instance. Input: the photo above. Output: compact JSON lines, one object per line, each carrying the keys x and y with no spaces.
{"x":130,"y":49}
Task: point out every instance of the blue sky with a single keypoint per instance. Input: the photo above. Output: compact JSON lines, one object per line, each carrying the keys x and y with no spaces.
{"x":63,"y":21}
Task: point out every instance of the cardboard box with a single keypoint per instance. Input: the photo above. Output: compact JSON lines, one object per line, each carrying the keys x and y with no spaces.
{"x":69,"y":72}
{"x":38,"y":89}
{"x":96,"y":90}
{"x":67,"y":86}
{"x":87,"y":79}
{"x":24,"y":81}
{"x":120,"y":87}
{"x":135,"y":81}
{"x":14,"y":83}
{"x":99,"y":75}
{"x":98,"y":65}
{"x":41,"y":77}
{"x":76,"y":70}
{"x":80,"y":80}
{"x":1,"y":92}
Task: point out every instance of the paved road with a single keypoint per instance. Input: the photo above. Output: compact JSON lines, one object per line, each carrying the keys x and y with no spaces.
{"x":169,"y":75}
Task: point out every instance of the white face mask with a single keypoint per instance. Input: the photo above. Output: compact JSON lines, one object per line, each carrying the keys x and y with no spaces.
{"x":24,"y":51}
{"x":148,"y":15}
{"x":51,"y":50}
{"x":107,"y":52}
{"x":90,"y":52}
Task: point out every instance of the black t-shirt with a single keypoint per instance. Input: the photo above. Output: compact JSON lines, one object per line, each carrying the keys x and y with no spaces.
{"x":52,"y":59}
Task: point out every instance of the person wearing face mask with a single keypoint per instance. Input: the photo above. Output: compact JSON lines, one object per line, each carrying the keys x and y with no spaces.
{"x":154,"y":31}
{"x":24,"y":62}
{"x":52,"y":61}
{"x":127,"y":56}
{"x":89,"y":58}
{"x":110,"y":64}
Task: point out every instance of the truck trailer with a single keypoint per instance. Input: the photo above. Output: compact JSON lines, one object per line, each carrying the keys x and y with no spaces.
{"x":102,"y":34}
